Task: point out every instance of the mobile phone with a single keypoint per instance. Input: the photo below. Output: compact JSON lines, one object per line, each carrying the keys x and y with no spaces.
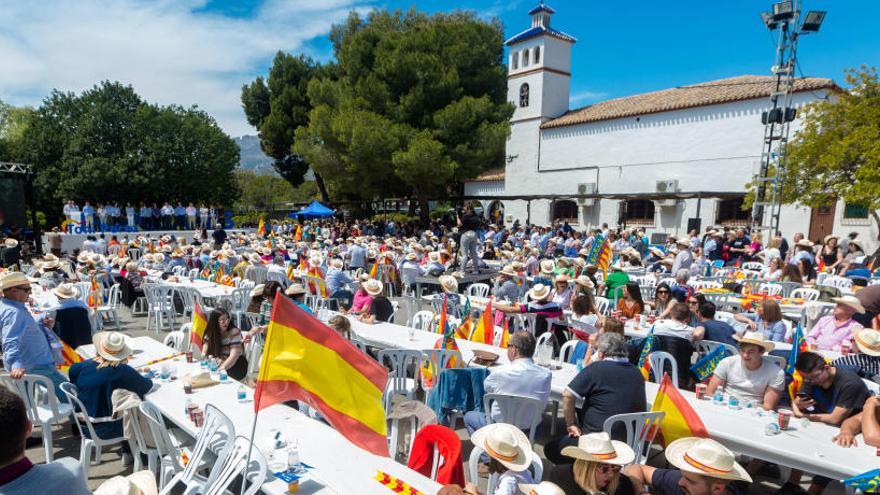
{"x":804,"y":396}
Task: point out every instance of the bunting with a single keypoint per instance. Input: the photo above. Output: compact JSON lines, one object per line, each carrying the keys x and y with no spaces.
{"x":484,"y":332}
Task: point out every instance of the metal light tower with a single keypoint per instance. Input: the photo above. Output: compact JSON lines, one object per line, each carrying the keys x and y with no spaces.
{"x":786,"y":20}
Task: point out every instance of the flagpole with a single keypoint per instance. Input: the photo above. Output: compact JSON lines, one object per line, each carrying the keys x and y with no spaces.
{"x":250,"y":449}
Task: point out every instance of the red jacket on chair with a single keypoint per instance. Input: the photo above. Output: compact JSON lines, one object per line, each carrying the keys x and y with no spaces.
{"x":446,"y":441}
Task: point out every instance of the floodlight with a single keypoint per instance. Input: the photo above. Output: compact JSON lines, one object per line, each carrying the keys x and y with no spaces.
{"x":813,"y":20}
{"x":768,"y":20}
{"x":783,"y":11}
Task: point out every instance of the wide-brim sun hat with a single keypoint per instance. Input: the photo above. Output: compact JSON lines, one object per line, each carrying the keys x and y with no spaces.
{"x":258,"y":290}
{"x":13,"y":279}
{"x":411,"y":257}
{"x":868,"y":341}
{"x":547,"y":267}
{"x":584,"y":281}
{"x":139,"y":483}
{"x":829,"y":237}
{"x":656,"y":251}
{"x":373,"y":287}
{"x":449,"y":284}
{"x":805,"y":243}
{"x":539,"y":292}
{"x":505,"y":443}
{"x":507,"y":270}
{"x":434,"y":256}
{"x":851,"y":301}
{"x":598,"y":447}
{"x":705,"y":457}
{"x":10,"y":243}
{"x":111,"y":346}
{"x":66,"y":291}
{"x":542,"y":488}
{"x":295,"y":290}
{"x":755,"y":338}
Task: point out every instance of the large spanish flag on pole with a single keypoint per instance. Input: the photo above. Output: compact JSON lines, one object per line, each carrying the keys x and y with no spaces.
{"x":305,"y":360}
{"x":199,"y":324}
{"x":680,"y":420}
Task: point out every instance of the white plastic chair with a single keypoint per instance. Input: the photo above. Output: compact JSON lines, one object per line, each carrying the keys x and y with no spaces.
{"x":240,"y":298}
{"x":175,"y":340}
{"x":258,"y":274}
{"x":543,"y":338}
{"x":706,"y":346}
{"x":525,"y":321}
{"x":168,"y":451}
{"x":770,"y":289}
{"x":43,"y":408}
{"x":755,"y":266}
{"x":602,"y":304}
{"x":139,"y":446}
{"x":422,"y":320}
{"x":516,"y":410}
{"x":193,"y":274}
{"x":216,"y":434}
{"x":111,"y":304}
{"x":231,"y":463}
{"x":478,"y":290}
{"x":725,"y":316}
{"x":134,"y":254}
{"x":568,"y":348}
{"x":439,"y":359}
{"x":777,"y":360}
{"x":805,"y":293}
{"x":536,"y":467}
{"x":160,"y":305}
{"x":641,"y":429}
{"x":84,"y":291}
{"x":404,"y":368}
{"x":658,"y":359}
{"x":92,"y":444}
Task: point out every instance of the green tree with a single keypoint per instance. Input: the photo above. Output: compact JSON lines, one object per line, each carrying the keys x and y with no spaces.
{"x":277,"y":107}
{"x":107,"y":144}
{"x":13,"y":122}
{"x":269,"y":192}
{"x":836,"y":153}
{"x":416,"y":105}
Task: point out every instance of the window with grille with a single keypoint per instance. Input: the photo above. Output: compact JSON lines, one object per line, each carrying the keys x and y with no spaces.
{"x":731,"y":210}
{"x":640,"y":210}
{"x":524,"y":95}
{"x":855,"y":211}
{"x":566,"y":211}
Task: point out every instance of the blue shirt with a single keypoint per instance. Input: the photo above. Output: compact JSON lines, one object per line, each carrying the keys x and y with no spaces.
{"x":719,"y":331}
{"x":774,"y":331}
{"x":70,"y":303}
{"x":180,"y":211}
{"x":27,"y":343}
{"x":357,"y":256}
{"x":335,"y":280}
{"x":95,"y":386}
{"x":88,"y":210}
{"x":65,"y":475}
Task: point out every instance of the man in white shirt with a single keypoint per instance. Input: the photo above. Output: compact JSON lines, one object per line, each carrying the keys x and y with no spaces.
{"x":521,"y":377}
{"x":684,"y":259}
{"x":191,"y":213}
{"x":749,"y":375}
{"x":677,"y":324}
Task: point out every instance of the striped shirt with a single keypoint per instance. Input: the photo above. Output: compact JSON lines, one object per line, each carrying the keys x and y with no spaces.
{"x":865,"y":366}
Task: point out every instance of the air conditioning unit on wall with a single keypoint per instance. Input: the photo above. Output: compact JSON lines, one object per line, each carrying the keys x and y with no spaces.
{"x":666,"y":186}
{"x":587,"y":188}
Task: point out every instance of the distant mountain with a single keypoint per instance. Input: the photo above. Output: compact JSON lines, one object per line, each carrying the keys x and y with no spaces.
{"x":252,"y":157}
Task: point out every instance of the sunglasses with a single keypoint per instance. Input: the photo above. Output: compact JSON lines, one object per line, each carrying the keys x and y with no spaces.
{"x":662,"y":292}
{"x":605,"y":468}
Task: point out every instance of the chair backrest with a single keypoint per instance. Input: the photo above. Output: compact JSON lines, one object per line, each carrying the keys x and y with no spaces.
{"x":525,"y":321}
{"x":193,"y":273}
{"x":179,"y":270}
{"x":248,"y":285}
{"x":706,"y":346}
{"x":113,"y":296}
{"x":770,"y":289}
{"x":725,"y":316}
{"x":478,"y":290}
{"x":257,"y":273}
{"x":536,"y":467}
{"x":85,"y":290}
{"x":403,"y":365}
{"x":516,"y":410}
{"x":439,"y":359}
{"x":161,"y":437}
{"x":134,"y":254}
{"x":241,"y":297}
{"x":641,"y":429}
{"x":74,"y":326}
{"x":279,"y":277}
{"x":216,"y":434}
{"x":35,"y":391}
{"x":80,"y":412}
{"x":706,"y":284}
{"x":659,"y":360}
{"x":568,"y":349}
{"x":805,"y":293}
{"x":422,"y":320}
{"x":232,"y":463}
{"x":543,"y":338}
{"x":670,"y":281}
{"x":175,"y":339}
{"x":777,"y":360}
{"x":753,"y":265}
{"x":602,"y":304}
{"x":409,"y":273}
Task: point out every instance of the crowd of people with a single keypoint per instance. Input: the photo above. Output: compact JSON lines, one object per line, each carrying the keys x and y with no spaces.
{"x":540,"y":270}
{"x":108,"y":216}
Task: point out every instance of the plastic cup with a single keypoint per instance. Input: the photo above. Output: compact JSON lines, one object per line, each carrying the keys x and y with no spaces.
{"x":189,"y":356}
{"x":784,"y":418}
{"x":701,"y":391}
{"x":187,"y":387}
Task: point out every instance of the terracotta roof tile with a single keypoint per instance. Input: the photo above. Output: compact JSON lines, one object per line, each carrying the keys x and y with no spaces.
{"x":490,"y":175}
{"x":709,"y":93}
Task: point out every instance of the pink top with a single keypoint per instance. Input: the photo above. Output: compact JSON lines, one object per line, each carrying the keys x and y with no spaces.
{"x":829,"y":333}
{"x":361,"y":301}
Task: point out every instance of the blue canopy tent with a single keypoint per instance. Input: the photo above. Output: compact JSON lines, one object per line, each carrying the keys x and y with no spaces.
{"x":314,"y":210}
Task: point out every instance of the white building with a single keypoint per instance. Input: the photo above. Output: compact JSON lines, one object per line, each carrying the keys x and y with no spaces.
{"x":701,"y":141}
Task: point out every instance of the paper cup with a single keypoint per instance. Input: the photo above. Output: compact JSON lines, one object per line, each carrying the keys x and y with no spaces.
{"x":701,"y":391}
{"x":784,"y":418}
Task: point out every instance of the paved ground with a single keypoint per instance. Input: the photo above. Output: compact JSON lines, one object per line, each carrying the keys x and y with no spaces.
{"x":65,"y":444}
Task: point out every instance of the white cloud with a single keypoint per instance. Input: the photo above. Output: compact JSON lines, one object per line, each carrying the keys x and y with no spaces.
{"x":168,"y":50}
{"x":586,"y":96}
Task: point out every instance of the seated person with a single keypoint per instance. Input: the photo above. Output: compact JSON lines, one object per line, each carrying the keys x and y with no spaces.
{"x":662,"y":298}
{"x":222,"y":340}
{"x":748,"y":375}
{"x":766,"y":319}
{"x":381,"y":309}
{"x":867,"y":422}
{"x":714,"y":330}
{"x":631,"y":304}
{"x":561,"y":293}
{"x":510,"y":456}
{"x":520,"y":377}
{"x":681,"y":290}
{"x":865,"y":359}
{"x":615,"y":281}
{"x":341,"y":324}
{"x":583,"y":308}
{"x":337,"y":281}
{"x":542,"y":306}
{"x":607,"y":387}
{"x":362,"y":299}
{"x":677,"y":325}
{"x":598,"y":462}
{"x":705,"y":467}
{"x":505,"y":288}
{"x":834,"y":330}
{"x":17,"y":473}
{"x":97,"y":378}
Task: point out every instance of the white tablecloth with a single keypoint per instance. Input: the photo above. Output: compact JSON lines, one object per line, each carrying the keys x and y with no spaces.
{"x":206,"y":288}
{"x":340,"y":467}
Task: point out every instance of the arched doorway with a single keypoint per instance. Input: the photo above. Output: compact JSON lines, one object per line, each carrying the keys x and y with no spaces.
{"x":496,"y":212}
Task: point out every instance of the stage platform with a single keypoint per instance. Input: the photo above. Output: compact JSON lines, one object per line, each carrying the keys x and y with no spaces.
{"x":69,"y":242}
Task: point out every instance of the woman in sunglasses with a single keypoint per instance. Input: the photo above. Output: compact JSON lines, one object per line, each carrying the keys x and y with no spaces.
{"x":597,"y":466}
{"x":662,"y":298}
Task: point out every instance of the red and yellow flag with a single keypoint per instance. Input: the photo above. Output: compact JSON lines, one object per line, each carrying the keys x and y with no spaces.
{"x":374,"y":270}
{"x":69,"y":356}
{"x":485,"y":330}
{"x":199,"y":324}
{"x":307,"y":361}
{"x":299,"y":233}
{"x":441,"y":323}
{"x":465,"y":329}
{"x":505,"y":333}
{"x":681,"y":420}
{"x":261,"y":227}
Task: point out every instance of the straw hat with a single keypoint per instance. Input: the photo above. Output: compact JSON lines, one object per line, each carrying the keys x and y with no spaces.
{"x":50,"y":257}
{"x":539,"y":292}
{"x":83,"y":257}
{"x":158,"y":258}
{"x":13,"y":279}
{"x":10,"y":243}
{"x":336,"y":263}
{"x":50,"y":265}
{"x":411,"y":257}
{"x":598,"y":447}
{"x":656,"y":251}
{"x":547,"y":267}
{"x":507,"y":270}
{"x":111,"y":346}
{"x":505,"y":443}
{"x":434,"y":256}
{"x":829,"y":237}
{"x":580,"y":262}
{"x":561,"y":278}
{"x":373,"y":287}
{"x":139,"y":483}
{"x":584,"y":281}
{"x":66,"y":291}
{"x":257,"y":290}
{"x":805,"y":243}
{"x":850,"y":301}
{"x":705,"y":457}
{"x":255,"y":258}
{"x":868,"y":341}
{"x":755,"y":338}
{"x":683,"y":242}
{"x":542,"y":488}
{"x":295,"y":290}
{"x":449,"y":284}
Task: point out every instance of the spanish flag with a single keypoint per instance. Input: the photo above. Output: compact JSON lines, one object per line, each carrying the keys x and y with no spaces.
{"x":505,"y":333}
{"x":307,"y":361}
{"x":199,"y":324}
{"x":299,"y":233}
{"x":681,"y":420}
{"x":261,"y":228}
{"x":69,"y":356}
{"x":485,"y":329}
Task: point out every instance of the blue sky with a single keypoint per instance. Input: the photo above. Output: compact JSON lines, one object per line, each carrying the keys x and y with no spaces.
{"x":200,"y":52}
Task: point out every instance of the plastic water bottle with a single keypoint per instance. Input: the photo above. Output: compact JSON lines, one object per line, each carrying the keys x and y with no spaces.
{"x":242,"y":393}
{"x":186,"y":407}
{"x":223,"y":375}
{"x":293,"y":456}
{"x":718,"y":398}
{"x":733,"y":402}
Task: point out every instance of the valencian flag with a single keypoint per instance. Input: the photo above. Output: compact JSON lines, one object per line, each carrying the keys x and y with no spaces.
{"x":305,"y":360}
{"x":866,"y":482}
{"x":706,"y":365}
{"x":644,"y":362}
{"x":290,"y":270}
{"x":465,"y":329}
{"x":600,"y":253}
{"x":680,"y":420}
{"x":261,"y":228}
{"x":484,"y":332}
{"x":199,"y":324}
{"x":798,"y":345}
{"x":69,"y":356}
